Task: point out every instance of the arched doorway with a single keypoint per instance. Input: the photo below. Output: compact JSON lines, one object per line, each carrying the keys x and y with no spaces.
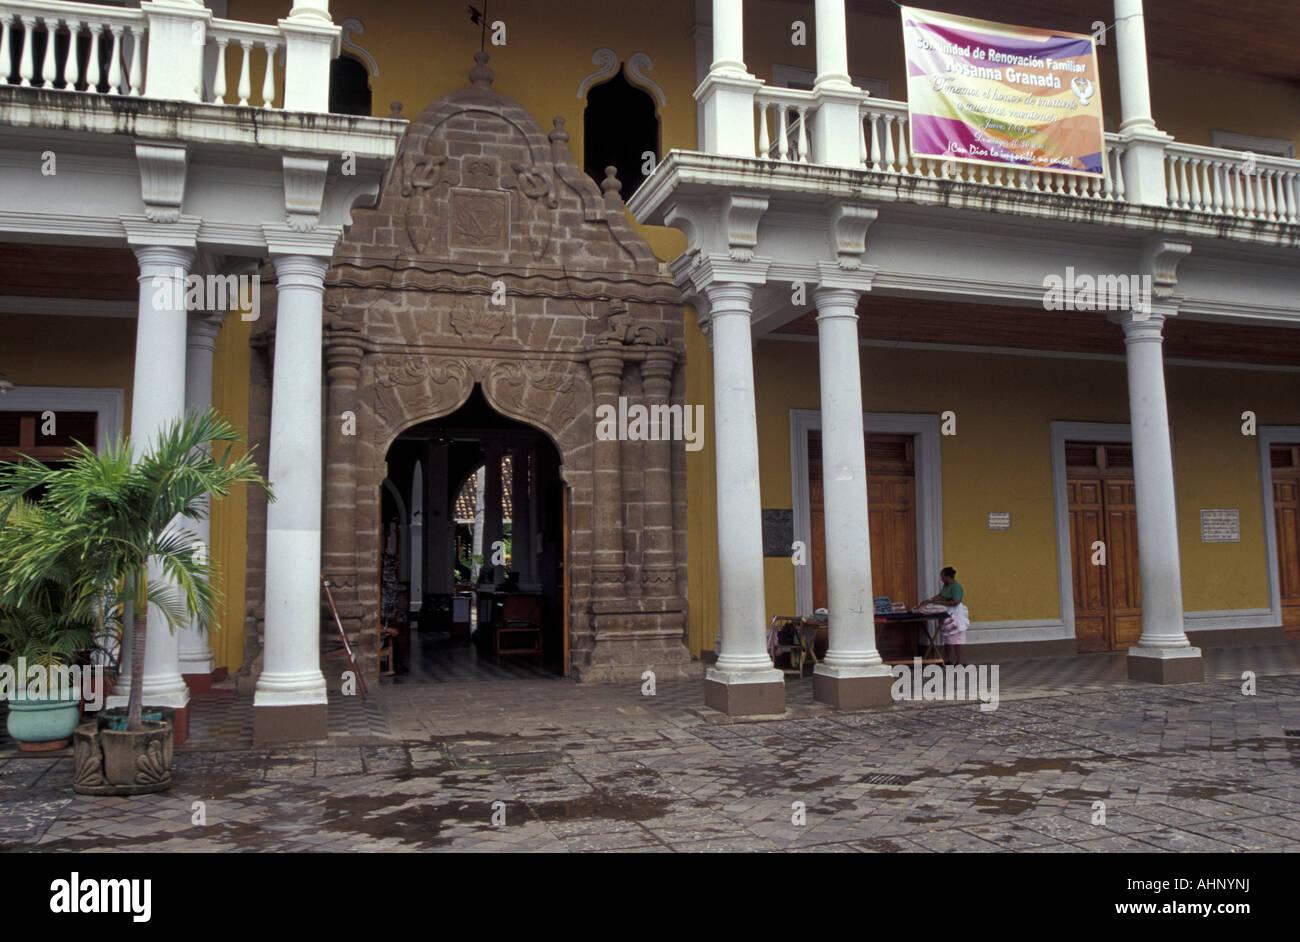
{"x":490,"y":559}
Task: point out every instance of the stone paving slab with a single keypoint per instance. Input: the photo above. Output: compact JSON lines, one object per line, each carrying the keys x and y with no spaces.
{"x":541,"y":766}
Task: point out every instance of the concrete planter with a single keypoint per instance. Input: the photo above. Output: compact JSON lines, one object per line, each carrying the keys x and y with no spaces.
{"x":41,"y":724}
{"x":119,"y":762}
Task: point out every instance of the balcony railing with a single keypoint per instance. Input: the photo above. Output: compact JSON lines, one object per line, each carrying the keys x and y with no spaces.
{"x":80,"y":47}
{"x":1199,"y":179}
{"x":72,"y":47}
{"x":1231,"y":183}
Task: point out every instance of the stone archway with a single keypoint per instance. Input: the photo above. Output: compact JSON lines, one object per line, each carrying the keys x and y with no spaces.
{"x":493,"y":260}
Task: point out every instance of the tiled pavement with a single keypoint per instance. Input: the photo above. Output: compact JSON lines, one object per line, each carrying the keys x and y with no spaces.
{"x":422,"y":767}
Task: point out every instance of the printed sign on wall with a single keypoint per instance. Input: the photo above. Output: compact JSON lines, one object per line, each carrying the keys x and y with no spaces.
{"x":1220,"y":526}
{"x":1007,"y":95}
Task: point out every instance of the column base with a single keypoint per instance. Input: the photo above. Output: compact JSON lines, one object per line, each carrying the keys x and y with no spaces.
{"x":740,"y":696}
{"x":1166,"y":665}
{"x":853,"y":691}
{"x":303,"y":722}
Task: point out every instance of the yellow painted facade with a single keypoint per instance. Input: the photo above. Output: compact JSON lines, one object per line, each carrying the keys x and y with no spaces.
{"x":999,"y":460}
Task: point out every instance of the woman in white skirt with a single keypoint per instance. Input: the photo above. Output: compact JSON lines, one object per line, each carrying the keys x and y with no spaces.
{"x":953,"y":629}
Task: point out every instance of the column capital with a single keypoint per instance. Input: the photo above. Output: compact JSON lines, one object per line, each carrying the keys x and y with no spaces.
{"x":658,"y":364}
{"x":729,"y":297}
{"x":836,"y":302}
{"x":203,"y":329}
{"x":301,"y":271}
{"x":343,"y":352}
{"x":1139,"y":326}
{"x":605,"y":360}
{"x":166,"y":257}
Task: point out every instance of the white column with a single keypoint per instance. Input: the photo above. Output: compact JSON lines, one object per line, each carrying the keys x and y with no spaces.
{"x":729,"y":37}
{"x":195,"y":651}
{"x":1144,"y":143}
{"x":521,"y":514}
{"x":157,"y":400}
{"x":417,"y":537}
{"x":832,"y":43}
{"x":1131,"y":53}
{"x":851,"y":674}
{"x":726,"y":96}
{"x":1163,"y":635}
{"x":493,"y":525}
{"x":291,"y":676}
{"x":318,"y":9}
{"x":743,"y":630}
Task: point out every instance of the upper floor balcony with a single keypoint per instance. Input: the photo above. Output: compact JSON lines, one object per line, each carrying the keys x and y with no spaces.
{"x":836,"y":140}
{"x":221,"y":122}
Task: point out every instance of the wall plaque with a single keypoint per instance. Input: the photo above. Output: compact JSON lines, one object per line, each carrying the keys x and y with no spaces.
{"x":999,"y":520}
{"x":1220,"y":526}
{"x":778,"y":532}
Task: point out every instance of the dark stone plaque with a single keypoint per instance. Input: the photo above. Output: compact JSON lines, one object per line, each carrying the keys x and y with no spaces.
{"x":778,"y":532}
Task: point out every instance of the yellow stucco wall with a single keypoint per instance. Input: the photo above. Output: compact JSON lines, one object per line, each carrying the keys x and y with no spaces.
{"x":91,"y":352}
{"x":1000,"y":460}
{"x":230,"y":367}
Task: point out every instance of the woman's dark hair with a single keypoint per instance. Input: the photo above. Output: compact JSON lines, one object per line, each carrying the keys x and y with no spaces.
{"x":948,"y":571}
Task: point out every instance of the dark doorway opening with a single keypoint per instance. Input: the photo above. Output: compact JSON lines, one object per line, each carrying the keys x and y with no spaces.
{"x":473,"y":549}
{"x":620,"y":125}
{"x":349,"y":87}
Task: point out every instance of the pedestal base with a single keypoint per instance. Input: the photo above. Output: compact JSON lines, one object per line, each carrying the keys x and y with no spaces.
{"x":853,"y":693}
{"x":760,"y":699}
{"x":290,"y":723}
{"x":198,"y":683}
{"x":1166,"y":666}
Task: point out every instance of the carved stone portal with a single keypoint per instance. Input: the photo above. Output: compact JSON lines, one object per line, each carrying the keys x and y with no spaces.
{"x":491,"y":260}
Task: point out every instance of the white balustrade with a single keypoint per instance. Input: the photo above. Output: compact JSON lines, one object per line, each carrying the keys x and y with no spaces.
{"x":72,"y":47}
{"x":68,"y":46}
{"x":783,"y":116}
{"x":236,"y":41}
{"x":1232,"y":183}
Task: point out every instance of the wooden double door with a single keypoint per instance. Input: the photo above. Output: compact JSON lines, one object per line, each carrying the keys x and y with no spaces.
{"x":1103,"y":545}
{"x":1285,"y":461}
{"x":891,"y":511}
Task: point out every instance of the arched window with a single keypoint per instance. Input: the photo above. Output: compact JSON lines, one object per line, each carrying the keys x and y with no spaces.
{"x":619,"y":125}
{"x":349,"y":87}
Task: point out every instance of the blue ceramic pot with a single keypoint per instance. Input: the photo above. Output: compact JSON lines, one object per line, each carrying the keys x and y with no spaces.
{"x":43,"y":722}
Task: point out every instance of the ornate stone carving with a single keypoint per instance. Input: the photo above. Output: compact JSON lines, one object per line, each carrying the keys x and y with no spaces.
{"x":624,"y":330}
{"x":474,"y":323}
{"x":479,"y":220}
{"x":442,"y":385}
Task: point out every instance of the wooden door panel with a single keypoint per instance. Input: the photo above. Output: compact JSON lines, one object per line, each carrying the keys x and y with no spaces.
{"x":817,"y":551}
{"x":1286,"y":521}
{"x":1091,"y":597}
{"x":891,"y":513}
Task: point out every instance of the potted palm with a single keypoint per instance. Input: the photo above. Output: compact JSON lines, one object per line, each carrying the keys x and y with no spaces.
{"x":122,"y":516}
{"x":39,"y":641}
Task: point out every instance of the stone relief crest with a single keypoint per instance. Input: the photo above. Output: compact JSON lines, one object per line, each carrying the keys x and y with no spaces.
{"x":474,"y":323}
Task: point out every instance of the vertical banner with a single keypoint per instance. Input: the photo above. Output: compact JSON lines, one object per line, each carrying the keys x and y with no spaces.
{"x":1004,"y":95}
